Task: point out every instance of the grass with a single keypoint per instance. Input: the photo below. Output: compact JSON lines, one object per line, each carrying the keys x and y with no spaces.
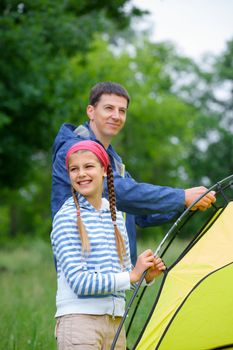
{"x":28,"y":289}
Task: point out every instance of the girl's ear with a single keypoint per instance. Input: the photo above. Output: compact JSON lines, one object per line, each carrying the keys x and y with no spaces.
{"x":104,"y":172}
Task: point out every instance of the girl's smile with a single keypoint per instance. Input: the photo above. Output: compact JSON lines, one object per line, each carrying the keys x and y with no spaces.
{"x":86,"y":175}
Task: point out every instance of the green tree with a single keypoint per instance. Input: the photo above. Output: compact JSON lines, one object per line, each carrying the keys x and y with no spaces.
{"x":37,"y":39}
{"x":212,"y":154}
{"x":46,"y":77}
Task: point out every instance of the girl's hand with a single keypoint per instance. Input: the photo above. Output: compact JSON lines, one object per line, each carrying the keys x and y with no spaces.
{"x":144,"y":262}
{"x":155,"y":270}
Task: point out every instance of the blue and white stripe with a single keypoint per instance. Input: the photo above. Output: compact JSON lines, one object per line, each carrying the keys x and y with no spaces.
{"x":97,"y":275}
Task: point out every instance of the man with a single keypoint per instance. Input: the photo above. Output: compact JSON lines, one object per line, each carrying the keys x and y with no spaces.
{"x":145,"y":204}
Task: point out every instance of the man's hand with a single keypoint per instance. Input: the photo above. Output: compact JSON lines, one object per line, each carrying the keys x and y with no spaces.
{"x":192,"y":194}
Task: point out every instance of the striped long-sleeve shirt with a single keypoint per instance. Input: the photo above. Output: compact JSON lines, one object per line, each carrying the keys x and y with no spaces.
{"x":94,"y":283}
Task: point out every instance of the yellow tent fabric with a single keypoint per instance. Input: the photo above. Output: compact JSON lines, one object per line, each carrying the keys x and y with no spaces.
{"x":204,"y":315}
{"x":195,"y":308}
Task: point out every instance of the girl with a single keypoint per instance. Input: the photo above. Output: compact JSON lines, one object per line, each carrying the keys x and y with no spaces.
{"x":90,"y":245}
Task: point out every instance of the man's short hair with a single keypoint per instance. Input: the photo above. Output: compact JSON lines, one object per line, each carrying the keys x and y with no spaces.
{"x":107,"y":88}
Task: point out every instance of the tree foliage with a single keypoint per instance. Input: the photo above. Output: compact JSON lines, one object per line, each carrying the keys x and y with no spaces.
{"x":212,"y":152}
{"x":179,"y":125}
{"x":37,"y":40}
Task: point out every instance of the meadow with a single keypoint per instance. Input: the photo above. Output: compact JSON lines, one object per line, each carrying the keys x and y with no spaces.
{"x":28,"y":288}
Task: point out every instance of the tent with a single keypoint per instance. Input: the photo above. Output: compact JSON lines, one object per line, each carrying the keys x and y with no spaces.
{"x":193,"y":309}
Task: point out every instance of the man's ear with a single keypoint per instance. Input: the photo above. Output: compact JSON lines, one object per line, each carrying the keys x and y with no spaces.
{"x":90,"y":112}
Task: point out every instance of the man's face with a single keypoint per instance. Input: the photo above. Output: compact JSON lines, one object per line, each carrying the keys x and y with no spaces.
{"x":107,"y":117}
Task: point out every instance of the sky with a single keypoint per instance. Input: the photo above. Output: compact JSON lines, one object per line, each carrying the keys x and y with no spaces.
{"x":196,"y":27}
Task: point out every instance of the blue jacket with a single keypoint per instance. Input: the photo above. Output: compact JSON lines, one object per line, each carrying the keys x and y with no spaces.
{"x":144,"y":204}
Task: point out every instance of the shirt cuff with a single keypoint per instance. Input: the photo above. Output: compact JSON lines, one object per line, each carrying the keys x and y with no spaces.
{"x":144,"y":283}
{"x":122,"y":280}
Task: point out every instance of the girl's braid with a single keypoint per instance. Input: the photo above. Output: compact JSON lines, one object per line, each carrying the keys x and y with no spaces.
{"x":81,"y":227}
{"x":120,"y":244}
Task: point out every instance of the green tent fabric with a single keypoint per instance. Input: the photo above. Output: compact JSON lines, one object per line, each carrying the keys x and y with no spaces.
{"x":195,"y":307}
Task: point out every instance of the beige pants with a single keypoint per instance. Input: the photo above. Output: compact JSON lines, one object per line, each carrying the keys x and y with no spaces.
{"x":88,"y":332}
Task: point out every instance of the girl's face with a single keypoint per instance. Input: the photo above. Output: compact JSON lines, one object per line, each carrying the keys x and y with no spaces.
{"x":86,"y":174}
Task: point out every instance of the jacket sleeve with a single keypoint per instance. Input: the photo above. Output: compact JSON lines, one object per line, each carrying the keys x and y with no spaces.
{"x":143,"y":198}
{"x":156,"y":219}
{"x":132,"y":197}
